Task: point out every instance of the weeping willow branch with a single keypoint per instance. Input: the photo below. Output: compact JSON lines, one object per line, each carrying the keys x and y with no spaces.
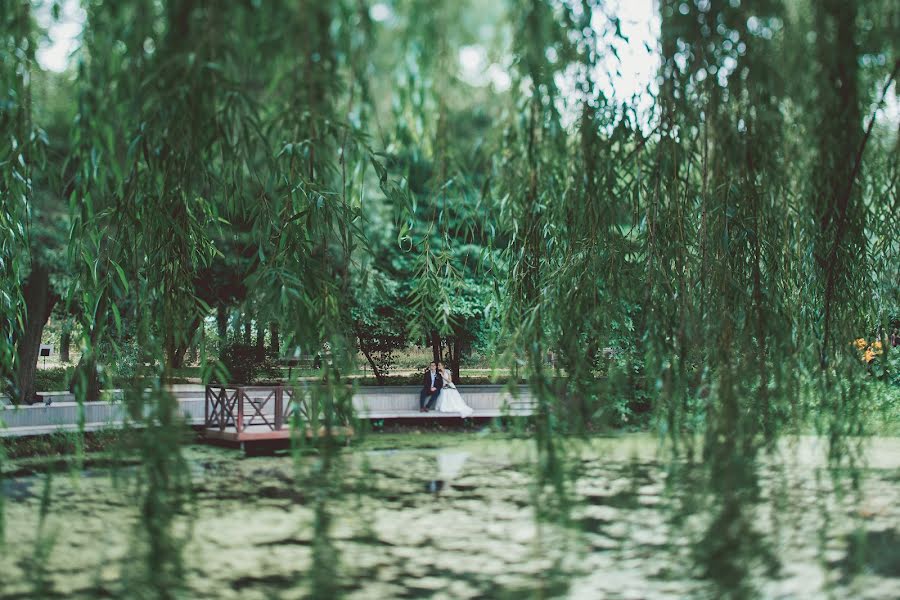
{"x":843,"y":203}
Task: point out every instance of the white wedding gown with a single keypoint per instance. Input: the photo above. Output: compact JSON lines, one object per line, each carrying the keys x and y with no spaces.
{"x":449,"y":400}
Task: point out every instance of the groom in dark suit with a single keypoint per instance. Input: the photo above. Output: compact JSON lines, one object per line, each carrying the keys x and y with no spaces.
{"x":431,"y":387}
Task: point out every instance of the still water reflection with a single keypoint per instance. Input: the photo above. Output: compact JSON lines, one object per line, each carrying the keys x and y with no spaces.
{"x":641,"y":526}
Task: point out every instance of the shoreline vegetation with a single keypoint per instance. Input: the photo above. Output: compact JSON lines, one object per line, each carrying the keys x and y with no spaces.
{"x":70,"y":449}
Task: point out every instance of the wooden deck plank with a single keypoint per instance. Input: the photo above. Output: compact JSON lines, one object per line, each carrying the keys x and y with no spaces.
{"x":259,"y":434}
{"x":415,"y":414}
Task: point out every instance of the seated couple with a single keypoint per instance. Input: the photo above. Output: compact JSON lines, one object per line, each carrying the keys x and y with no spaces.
{"x":439,"y":393}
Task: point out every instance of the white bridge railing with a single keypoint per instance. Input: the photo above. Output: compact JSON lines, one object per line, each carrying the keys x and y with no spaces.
{"x":389,"y":402}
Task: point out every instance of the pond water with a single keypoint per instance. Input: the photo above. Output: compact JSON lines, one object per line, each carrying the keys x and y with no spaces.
{"x":454,"y":518}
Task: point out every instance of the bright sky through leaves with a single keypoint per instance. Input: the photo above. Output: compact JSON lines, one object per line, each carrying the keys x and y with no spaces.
{"x":625,"y":77}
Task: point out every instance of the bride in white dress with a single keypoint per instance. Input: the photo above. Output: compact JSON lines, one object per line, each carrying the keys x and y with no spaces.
{"x":449,"y":400}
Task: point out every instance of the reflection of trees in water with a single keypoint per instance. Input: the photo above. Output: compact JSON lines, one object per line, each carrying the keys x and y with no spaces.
{"x":636,"y":525}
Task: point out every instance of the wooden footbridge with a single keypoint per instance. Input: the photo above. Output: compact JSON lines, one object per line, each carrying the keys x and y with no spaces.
{"x":260,"y":413}
{"x":234,"y":413}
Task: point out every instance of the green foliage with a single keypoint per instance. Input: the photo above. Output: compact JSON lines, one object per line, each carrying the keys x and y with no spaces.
{"x":247,"y":364}
{"x":53,"y":380}
{"x":59,"y":450}
{"x":431,"y":239}
{"x":181,"y":156}
{"x":885,"y":367}
{"x":702,"y":262}
{"x":129,"y":360}
{"x":721,"y":247}
{"x":21,"y":151}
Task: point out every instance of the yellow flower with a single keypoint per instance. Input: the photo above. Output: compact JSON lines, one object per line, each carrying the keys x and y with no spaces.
{"x":876,"y":347}
{"x":861,"y":343}
{"x":869,"y":355}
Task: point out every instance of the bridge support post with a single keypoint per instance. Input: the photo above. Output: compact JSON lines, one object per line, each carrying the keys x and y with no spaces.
{"x":279,"y":408}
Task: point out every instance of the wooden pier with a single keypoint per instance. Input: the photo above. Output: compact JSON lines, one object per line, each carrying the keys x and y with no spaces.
{"x":239,"y":414}
{"x":252,"y":413}
{"x":262,"y":411}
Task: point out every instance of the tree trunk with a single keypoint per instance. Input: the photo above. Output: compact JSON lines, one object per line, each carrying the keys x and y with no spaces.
{"x":86,"y":370}
{"x":260,"y":335}
{"x":65,"y":344}
{"x":177,"y":343}
{"x":236,"y":328}
{"x":275,"y":343}
{"x":837,"y":204}
{"x":435,"y":346}
{"x":454,"y":347}
{"x":248,"y":330}
{"x":379,"y":376}
{"x":173,"y":359}
{"x":193,"y":356}
{"x":222,"y":324}
{"x":39,"y":301}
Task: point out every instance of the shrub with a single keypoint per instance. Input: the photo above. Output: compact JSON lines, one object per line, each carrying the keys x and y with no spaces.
{"x":52,"y":380}
{"x":67,"y":443}
{"x":127,"y":361}
{"x":247,"y":363}
{"x":881,"y":364}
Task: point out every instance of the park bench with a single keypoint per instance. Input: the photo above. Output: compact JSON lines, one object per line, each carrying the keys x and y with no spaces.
{"x":302,"y":361}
